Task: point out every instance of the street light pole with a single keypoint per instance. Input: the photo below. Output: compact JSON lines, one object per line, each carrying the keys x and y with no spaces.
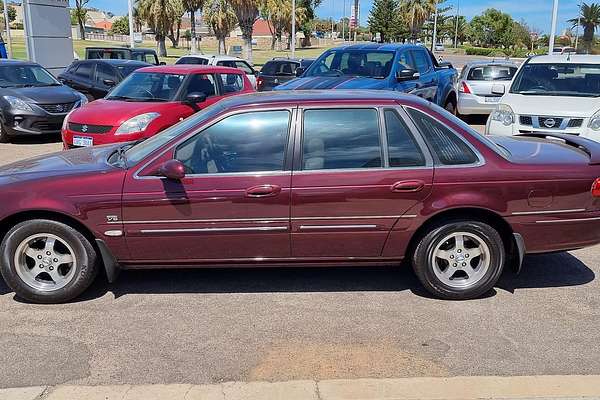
{"x":131,"y":39}
{"x":434,"y":39}
{"x":553,"y":31}
{"x":293,"y":46}
{"x":456,"y":28}
{"x":6,"y":22}
{"x":343,"y":22}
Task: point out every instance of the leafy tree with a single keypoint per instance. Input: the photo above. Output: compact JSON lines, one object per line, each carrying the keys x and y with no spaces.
{"x":192,"y":6}
{"x":80,"y":15}
{"x":174,"y":31}
{"x":278,"y":14}
{"x":382,"y":19}
{"x":416,"y":12}
{"x":221,"y":18}
{"x":590,"y":20}
{"x":493,"y":28}
{"x":246,"y":12}
{"x":307,"y":26}
{"x":120,"y":26}
{"x":12,"y":15}
{"x":159,"y":15}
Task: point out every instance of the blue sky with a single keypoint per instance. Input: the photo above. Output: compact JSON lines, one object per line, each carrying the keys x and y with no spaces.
{"x":536,"y":13}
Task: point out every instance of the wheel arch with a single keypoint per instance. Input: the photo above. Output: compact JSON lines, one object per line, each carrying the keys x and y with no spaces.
{"x":512,"y":240}
{"x":451,"y":96}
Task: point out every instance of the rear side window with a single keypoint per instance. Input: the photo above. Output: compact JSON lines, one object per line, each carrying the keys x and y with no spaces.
{"x":341,"y":139}
{"x":84,"y":70}
{"x":446,"y":146}
{"x":104,"y":72}
{"x":402,"y":147}
{"x":492,"y":73}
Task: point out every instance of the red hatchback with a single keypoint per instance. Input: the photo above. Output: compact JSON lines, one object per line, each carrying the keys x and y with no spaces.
{"x":149,"y":101}
{"x":316,"y":178}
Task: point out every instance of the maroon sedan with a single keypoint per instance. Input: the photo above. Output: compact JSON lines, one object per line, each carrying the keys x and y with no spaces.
{"x":301,"y":179}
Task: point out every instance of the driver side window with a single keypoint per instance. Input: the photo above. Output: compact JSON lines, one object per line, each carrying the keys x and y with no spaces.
{"x":248,"y":142}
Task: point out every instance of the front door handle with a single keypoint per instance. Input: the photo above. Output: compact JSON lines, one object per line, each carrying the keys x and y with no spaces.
{"x":263,"y":191}
{"x":408,"y":186}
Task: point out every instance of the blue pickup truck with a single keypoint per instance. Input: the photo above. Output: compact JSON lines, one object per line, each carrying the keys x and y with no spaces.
{"x":407,"y":68}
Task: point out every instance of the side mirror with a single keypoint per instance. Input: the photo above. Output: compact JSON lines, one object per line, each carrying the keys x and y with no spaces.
{"x":162,"y":63}
{"x":109,"y":82}
{"x":446,"y":65}
{"x":300,"y":71}
{"x":195,"y":98}
{"x":172,"y":169}
{"x":498,"y":89}
{"x":408,"y":74}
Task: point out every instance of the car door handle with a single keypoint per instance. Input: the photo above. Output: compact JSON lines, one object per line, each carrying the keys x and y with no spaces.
{"x":263,"y":191}
{"x":408,"y":186}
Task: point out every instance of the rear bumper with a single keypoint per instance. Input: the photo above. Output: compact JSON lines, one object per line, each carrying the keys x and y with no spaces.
{"x":469,"y":104}
{"x":544,"y":233}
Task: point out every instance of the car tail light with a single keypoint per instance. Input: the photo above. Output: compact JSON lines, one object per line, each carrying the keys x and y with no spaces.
{"x":259,"y":82}
{"x":464,"y":88}
{"x":596,"y":188}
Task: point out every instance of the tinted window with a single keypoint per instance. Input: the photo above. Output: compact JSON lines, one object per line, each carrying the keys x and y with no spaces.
{"x":250,"y":142}
{"x":422,"y":61}
{"x":192,"y":60}
{"x":279,"y":68}
{"x":561,"y":79}
{"x":406,"y":61}
{"x":201,"y":83}
{"x":232,"y":83}
{"x":244,"y":67}
{"x":103,"y":72}
{"x":402,"y":147}
{"x":84,"y":70}
{"x":492,"y":73}
{"x":449,"y":149}
{"x":125,"y":70}
{"x":148,"y":86}
{"x":353,"y":62}
{"x":341,"y":139}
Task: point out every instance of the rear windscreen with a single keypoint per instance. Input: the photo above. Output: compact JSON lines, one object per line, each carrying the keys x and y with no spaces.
{"x":492,"y":73}
{"x":107,"y":54}
{"x":192,"y":60}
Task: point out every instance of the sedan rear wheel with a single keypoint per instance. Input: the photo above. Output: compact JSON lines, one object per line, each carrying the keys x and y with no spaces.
{"x":459,"y":259}
{"x":46,"y":261}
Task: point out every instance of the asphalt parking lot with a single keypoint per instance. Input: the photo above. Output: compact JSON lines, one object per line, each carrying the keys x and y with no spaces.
{"x":209,"y":326}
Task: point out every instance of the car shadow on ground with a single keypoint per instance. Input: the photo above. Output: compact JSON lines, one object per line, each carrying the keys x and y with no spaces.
{"x":543,"y":271}
{"x":35,"y":139}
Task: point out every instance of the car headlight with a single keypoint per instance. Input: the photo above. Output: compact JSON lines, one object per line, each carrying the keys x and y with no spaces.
{"x":66,"y":120}
{"x":138,"y":123}
{"x":503,"y":113}
{"x":17,"y":103}
{"x":594,"y":123}
{"x":83,"y":100}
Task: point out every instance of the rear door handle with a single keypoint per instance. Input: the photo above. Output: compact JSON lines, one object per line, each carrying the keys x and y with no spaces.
{"x":263,"y":191}
{"x":408,"y":186}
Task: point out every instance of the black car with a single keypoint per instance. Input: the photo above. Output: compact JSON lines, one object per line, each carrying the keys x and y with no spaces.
{"x":122,"y":53}
{"x":95,"y":78}
{"x":32,"y":101}
{"x":280,"y":70}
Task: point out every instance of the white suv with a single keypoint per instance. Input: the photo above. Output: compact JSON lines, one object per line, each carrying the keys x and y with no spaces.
{"x":222,"y":61}
{"x":559,"y":94}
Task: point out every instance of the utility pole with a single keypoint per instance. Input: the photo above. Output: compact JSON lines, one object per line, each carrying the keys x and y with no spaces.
{"x":434,"y":39}
{"x":293,"y":47}
{"x":578,"y":24}
{"x":7,"y":23}
{"x":456,"y":29}
{"x":343,"y":22}
{"x":131,"y":38}
{"x":553,"y":31}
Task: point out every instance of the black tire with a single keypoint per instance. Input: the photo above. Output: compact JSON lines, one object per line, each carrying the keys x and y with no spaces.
{"x":4,"y":137}
{"x":423,"y":262}
{"x":450,"y":107}
{"x":85,"y":267}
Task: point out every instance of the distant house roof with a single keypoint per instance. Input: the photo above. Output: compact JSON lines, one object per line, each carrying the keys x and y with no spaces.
{"x":261,"y":28}
{"x":106,"y":25}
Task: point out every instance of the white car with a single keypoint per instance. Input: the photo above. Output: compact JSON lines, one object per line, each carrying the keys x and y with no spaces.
{"x":222,"y":61}
{"x":557,"y":94}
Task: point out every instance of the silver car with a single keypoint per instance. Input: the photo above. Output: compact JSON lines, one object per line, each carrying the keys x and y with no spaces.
{"x":475,"y":85}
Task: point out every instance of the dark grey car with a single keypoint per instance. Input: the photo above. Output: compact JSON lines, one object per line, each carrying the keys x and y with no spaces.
{"x":280,"y":70}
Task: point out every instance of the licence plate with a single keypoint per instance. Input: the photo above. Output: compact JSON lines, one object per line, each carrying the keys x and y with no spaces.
{"x":83,"y":141}
{"x":492,"y":99}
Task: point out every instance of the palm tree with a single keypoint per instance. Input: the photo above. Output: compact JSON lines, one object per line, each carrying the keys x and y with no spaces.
{"x":160,"y":15}
{"x":278,"y":13}
{"x":590,"y":20}
{"x":247,"y":13}
{"x":417,"y":12}
{"x":220,"y":16}
{"x":192,"y":6}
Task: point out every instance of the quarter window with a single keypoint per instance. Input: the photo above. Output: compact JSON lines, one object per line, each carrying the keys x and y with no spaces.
{"x":84,"y":70}
{"x":341,"y":138}
{"x":449,"y":149}
{"x":402,"y":147}
{"x":249,"y":142}
{"x":232,"y":83}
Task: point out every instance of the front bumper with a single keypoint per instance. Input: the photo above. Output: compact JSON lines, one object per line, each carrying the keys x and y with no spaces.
{"x":470,"y":104}
{"x":497,"y":128}
{"x":98,"y":139}
{"x":22,"y":123}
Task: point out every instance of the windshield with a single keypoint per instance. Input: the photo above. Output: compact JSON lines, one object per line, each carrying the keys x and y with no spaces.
{"x":575,"y":80}
{"x":138,"y":152}
{"x":25,"y":76}
{"x":147,"y":86}
{"x":125,"y":70}
{"x":365,"y":63}
{"x":492,"y":73}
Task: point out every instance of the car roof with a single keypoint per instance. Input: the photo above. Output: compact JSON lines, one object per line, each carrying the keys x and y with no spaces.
{"x":480,"y":63}
{"x":16,"y":62}
{"x":379,"y":47}
{"x":215,"y":56}
{"x":190,"y":69}
{"x":116,"y":62}
{"x":565,"y":59}
{"x":307,"y":96}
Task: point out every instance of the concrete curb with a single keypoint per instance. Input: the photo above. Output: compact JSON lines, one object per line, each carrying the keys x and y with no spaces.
{"x":464,"y":388}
